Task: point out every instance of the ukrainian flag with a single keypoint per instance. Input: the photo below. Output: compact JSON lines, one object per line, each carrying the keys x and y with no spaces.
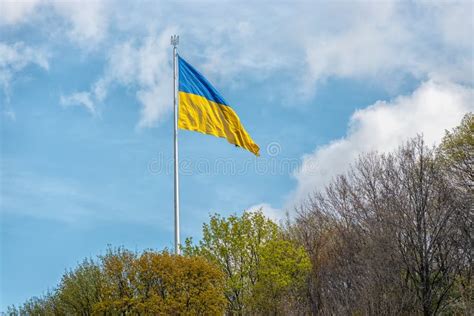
{"x":203,"y":109}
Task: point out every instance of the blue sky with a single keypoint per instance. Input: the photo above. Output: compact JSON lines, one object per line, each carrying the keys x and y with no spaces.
{"x":86,"y":113}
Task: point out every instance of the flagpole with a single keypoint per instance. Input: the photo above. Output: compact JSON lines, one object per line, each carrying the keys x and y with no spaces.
{"x":175,"y":42}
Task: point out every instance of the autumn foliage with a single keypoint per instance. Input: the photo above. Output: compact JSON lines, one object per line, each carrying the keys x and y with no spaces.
{"x":125,"y":283}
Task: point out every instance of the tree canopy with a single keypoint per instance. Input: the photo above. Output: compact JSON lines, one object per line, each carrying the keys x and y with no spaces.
{"x":126,"y":283}
{"x":264,"y":271}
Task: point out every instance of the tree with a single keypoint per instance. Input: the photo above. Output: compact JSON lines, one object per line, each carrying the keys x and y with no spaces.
{"x":385,"y":237}
{"x":117,"y":268}
{"x":46,"y":305}
{"x":425,"y":211}
{"x":261,"y":268}
{"x":126,"y":283}
{"x":282,"y":275}
{"x":457,"y":153}
{"x":161,"y":283}
{"x":457,"y":156}
{"x":80,"y":289}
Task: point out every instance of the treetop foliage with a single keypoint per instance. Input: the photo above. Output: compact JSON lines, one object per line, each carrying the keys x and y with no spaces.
{"x":262,"y":268}
{"x":126,"y":283}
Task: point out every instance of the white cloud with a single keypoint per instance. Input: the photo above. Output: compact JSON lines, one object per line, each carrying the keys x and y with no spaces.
{"x":81,"y":99}
{"x":274,"y":214}
{"x":17,"y":56}
{"x":144,"y":66}
{"x":349,"y":39}
{"x":149,"y":67}
{"x":86,"y":21}
{"x":16,"y":11}
{"x":383,"y":126}
{"x":14,"y":58}
{"x":385,"y":41}
{"x":378,"y":41}
{"x":455,"y":22}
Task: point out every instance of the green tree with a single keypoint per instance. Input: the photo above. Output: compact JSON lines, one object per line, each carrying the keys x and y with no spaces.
{"x":283,"y":271}
{"x":457,"y":157}
{"x":80,"y":289}
{"x":46,"y":305}
{"x":457,"y":152}
{"x":252,"y":253}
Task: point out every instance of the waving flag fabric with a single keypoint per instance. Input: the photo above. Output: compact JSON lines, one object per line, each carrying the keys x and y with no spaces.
{"x":203,"y":109}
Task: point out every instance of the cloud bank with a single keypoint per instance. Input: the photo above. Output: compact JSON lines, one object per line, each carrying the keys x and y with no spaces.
{"x":383,"y":126}
{"x":383,"y":43}
{"x":386,"y":41}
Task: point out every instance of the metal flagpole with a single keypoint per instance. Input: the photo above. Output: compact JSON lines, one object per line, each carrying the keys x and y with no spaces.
{"x":175,"y":42}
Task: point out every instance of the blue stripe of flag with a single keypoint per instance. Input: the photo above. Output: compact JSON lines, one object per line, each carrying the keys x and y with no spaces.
{"x":192,"y":81}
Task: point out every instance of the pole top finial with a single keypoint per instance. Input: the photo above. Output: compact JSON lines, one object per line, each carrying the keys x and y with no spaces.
{"x":174,"y":40}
